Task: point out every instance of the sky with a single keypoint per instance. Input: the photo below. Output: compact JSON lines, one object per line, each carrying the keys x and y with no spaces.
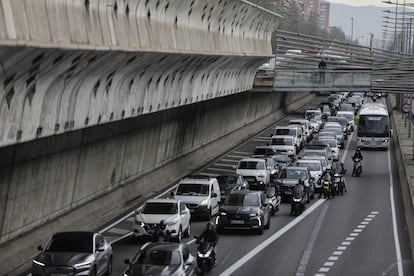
{"x":362,"y":2}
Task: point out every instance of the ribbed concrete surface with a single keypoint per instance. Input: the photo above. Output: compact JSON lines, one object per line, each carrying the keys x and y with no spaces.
{"x":67,"y":65}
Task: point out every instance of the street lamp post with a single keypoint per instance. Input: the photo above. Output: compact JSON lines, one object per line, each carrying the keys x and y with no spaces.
{"x":352,"y":29}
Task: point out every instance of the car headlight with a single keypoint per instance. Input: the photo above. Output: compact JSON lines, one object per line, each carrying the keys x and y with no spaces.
{"x":254,"y":215}
{"x":223,"y":214}
{"x":204,"y":202}
{"x":140,"y":223}
{"x":38,"y":263}
{"x":170,"y":223}
{"x":385,"y":140}
{"x":82,"y":265}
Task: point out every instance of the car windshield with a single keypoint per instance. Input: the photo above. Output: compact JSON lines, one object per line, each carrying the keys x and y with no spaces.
{"x":373,"y":126}
{"x":325,"y":134}
{"x":285,"y":131}
{"x":159,"y":208}
{"x":282,"y":141}
{"x":348,"y":116}
{"x":193,"y":189}
{"x":315,"y":152}
{"x":280,"y":158}
{"x":340,"y":120}
{"x":158,"y":257}
{"x":251,"y":165}
{"x":331,"y":143}
{"x":337,"y":131}
{"x":239,"y":199}
{"x":71,"y":242}
{"x":226,"y":181}
{"x":292,"y":174}
{"x":311,"y":166}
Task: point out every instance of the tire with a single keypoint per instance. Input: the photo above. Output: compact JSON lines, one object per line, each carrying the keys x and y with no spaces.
{"x":267,"y":226}
{"x":109,"y":270}
{"x":187,"y":232}
{"x":179,"y":234}
{"x":259,"y":231}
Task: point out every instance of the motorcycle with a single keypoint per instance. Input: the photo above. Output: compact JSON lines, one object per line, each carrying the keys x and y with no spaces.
{"x":338,"y":185}
{"x":326,"y":188}
{"x":357,"y":167}
{"x":205,"y":255}
{"x":273,"y":199}
{"x":298,"y":199}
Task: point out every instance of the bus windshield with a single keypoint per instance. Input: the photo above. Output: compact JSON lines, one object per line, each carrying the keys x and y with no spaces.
{"x":373,"y":126}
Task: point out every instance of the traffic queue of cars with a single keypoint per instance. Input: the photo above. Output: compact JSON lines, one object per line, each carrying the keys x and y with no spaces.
{"x":299,"y":152}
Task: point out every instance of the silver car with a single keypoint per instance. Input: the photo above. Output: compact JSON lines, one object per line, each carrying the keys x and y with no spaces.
{"x":74,"y":253}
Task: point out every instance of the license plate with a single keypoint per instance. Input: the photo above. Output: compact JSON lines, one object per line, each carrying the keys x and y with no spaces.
{"x":237,"y":221}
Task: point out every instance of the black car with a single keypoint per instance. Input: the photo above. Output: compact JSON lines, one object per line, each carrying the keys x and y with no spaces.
{"x":74,"y":253}
{"x":245,"y":210}
{"x":159,"y":258}
{"x":229,"y":183}
{"x":290,"y":176}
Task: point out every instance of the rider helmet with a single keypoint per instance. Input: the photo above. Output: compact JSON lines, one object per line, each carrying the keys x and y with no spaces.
{"x":163,"y":225}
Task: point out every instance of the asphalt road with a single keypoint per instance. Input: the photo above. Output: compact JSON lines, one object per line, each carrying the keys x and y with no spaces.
{"x":348,"y":235}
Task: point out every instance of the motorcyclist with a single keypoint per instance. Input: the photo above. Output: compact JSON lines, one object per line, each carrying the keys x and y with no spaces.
{"x":328,"y":176}
{"x":357,"y":154}
{"x":340,"y":169}
{"x":161,"y":233}
{"x":299,"y":188}
{"x":210,"y":235}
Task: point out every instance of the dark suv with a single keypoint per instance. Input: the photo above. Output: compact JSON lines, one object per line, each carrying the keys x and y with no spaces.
{"x":290,"y":176}
{"x":245,"y":210}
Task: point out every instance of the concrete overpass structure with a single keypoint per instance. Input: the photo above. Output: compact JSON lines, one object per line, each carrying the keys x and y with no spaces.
{"x":105,"y":102}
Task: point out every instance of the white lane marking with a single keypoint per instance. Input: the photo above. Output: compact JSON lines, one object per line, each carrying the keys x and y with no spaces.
{"x":341,"y":248}
{"x":221,"y":170}
{"x":303,"y":263}
{"x":271,"y":239}
{"x":371,"y":216}
{"x":346,"y":243}
{"x":319,"y":274}
{"x":358,"y":230}
{"x":350,"y":238}
{"x":329,"y":263}
{"x":118,"y":231}
{"x":394,"y":219}
{"x":121,"y":238}
{"x":368,"y":219}
{"x":209,"y":174}
{"x":224,"y":165}
{"x":337,"y":253}
{"x":345,"y":153}
{"x":333,"y":258}
{"x":361,"y":226}
{"x":228,"y":160}
{"x":237,"y":156}
{"x":324,"y":269}
{"x":242,"y":152}
{"x":375,"y":212}
{"x":354,"y":234}
{"x":364,"y":222}
{"x":191,"y":241}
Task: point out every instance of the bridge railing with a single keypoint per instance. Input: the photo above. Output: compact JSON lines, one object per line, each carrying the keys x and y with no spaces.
{"x":314,"y":79}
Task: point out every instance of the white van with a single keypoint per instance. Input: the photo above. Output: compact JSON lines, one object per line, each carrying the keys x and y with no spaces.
{"x":295,"y":131}
{"x":284,"y":143}
{"x":200,"y":193}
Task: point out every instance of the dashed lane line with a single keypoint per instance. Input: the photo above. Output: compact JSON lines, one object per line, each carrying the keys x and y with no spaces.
{"x":271,"y":239}
{"x":344,"y":245}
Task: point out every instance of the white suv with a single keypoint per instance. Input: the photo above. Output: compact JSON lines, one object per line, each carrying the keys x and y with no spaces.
{"x":174,"y":212}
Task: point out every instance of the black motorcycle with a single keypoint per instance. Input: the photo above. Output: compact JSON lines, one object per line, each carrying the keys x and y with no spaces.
{"x":326,"y":188}
{"x":205,"y":255}
{"x":338,"y":185}
{"x":357,"y":167}
{"x":299,"y":199}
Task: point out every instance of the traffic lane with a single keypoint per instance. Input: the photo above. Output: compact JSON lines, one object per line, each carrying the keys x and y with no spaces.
{"x":363,"y":220}
{"x":282,"y":256}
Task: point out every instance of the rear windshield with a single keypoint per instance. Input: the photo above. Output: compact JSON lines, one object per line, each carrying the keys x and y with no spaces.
{"x":285,"y":131}
{"x":311,"y":166}
{"x":251,"y":165}
{"x":242,"y":200}
{"x":282,"y":141}
{"x":159,"y":208}
{"x":193,"y":189}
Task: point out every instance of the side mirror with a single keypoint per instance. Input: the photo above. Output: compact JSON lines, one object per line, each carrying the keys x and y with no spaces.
{"x":127,"y":261}
{"x":40,"y":248}
{"x":391,"y":132}
{"x":214,"y":195}
{"x":172,"y":194}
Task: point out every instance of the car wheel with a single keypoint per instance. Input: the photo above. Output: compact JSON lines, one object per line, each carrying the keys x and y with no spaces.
{"x":188,"y":231}
{"x":109,"y":270}
{"x":179,"y":234}
{"x":267,"y":226}
{"x":259,"y":231}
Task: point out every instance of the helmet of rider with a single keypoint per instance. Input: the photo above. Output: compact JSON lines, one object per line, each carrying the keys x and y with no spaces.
{"x":210,"y":225}
{"x":163,"y":225}
{"x":358,"y":150}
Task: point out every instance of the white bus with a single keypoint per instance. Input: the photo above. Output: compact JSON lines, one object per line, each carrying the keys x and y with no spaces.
{"x":374,"y":126}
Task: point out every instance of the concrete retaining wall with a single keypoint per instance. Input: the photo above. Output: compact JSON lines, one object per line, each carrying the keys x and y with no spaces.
{"x":82,"y":179}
